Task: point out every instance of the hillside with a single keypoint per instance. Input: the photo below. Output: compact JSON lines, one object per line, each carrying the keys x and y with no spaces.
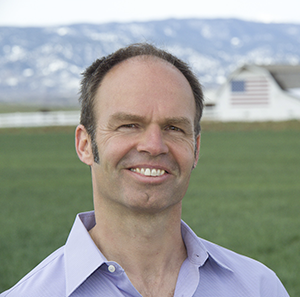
{"x":43,"y":65}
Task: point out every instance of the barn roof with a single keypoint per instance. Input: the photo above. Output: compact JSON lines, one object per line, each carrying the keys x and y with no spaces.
{"x":287,"y":76}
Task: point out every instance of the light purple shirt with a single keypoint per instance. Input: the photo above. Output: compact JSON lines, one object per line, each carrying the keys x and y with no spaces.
{"x":80,"y":269}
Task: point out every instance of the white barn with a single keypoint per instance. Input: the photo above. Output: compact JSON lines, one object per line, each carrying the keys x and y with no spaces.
{"x":257,"y":93}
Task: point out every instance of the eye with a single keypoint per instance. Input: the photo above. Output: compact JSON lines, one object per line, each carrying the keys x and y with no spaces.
{"x":174,"y":128}
{"x":128,"y":126}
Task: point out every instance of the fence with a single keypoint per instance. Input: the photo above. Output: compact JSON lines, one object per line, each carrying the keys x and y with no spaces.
{"x":39,"y":119}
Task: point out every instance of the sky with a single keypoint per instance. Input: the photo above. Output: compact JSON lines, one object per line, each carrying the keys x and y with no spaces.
{"x":28,"y":13}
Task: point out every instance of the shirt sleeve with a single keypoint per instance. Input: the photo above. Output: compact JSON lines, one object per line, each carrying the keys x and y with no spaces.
{"x":273,"y":287}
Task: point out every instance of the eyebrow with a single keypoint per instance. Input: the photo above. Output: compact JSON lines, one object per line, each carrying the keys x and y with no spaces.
{"x":125,"y":117}
{"x":122,"y":116}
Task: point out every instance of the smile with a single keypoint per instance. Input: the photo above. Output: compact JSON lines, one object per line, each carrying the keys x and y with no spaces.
{"x":148,"y":171}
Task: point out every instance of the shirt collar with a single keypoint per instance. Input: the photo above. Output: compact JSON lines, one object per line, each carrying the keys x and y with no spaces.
{"x":82,"y":256}
{"x":197,"y":251}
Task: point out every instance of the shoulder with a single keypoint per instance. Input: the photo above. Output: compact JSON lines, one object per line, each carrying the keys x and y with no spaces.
{"x":247,"y":272}
{"x":46,"y":279}
{"x":233,"y":260}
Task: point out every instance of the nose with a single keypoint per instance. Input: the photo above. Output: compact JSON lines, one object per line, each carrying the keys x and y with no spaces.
{"x":152,"y":141}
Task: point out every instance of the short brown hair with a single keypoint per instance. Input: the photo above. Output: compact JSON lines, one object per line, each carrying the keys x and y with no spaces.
{"x":94,"y":74}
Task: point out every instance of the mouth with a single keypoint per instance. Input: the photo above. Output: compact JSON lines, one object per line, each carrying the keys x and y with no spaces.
{"x":149,"y":171}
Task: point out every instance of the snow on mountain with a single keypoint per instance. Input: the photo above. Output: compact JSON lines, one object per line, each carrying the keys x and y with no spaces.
{"x":43,"y":65}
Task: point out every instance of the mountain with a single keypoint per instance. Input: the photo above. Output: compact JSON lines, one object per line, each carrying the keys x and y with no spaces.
{"x":43,"y":65}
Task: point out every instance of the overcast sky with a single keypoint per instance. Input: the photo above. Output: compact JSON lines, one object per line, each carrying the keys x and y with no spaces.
{"x":61,"y":12}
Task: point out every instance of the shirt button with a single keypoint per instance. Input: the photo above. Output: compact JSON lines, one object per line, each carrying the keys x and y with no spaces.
{"x":111,"y":268}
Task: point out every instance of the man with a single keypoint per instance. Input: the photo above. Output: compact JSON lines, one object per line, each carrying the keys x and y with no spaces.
{"x":140,"y":135}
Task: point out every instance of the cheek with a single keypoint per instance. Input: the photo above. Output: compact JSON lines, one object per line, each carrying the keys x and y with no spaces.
{"x":183,"y":146}
{"x":113,"y":148}
{"x":184,"y":156}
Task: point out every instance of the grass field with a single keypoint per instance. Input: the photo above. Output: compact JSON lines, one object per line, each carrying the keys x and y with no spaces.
{"x":244,"y":194}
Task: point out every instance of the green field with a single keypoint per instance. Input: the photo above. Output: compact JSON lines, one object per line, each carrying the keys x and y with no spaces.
{"x":244,"y":194}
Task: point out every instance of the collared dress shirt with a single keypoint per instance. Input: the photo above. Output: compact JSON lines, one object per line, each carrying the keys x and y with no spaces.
{"x":80,"y":269}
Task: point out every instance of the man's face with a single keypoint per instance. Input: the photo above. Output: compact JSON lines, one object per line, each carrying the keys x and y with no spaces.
{"x":145,"y":136}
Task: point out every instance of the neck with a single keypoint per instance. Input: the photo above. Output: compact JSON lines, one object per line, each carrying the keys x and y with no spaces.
{"x":143,"y":232}
{"x":147,"y":246}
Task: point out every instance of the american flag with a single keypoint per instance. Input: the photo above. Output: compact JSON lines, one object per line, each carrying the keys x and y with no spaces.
{"x":250,"y":91}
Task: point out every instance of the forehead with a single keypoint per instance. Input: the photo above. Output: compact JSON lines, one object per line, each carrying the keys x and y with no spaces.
{"x":150,"y":66}
{"x":146,"y":81}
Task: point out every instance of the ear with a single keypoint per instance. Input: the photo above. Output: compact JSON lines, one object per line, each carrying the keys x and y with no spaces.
{"x":197,"y":150}
{"x":83,"y":145}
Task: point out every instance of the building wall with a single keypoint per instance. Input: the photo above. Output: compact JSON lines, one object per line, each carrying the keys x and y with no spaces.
{"x":251,"y":94}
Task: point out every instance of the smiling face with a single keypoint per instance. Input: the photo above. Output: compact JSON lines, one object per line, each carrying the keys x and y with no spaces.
{"x":145,"y":113}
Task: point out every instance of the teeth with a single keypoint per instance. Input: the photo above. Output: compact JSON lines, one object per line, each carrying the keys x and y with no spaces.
{"x":148,"y":171}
